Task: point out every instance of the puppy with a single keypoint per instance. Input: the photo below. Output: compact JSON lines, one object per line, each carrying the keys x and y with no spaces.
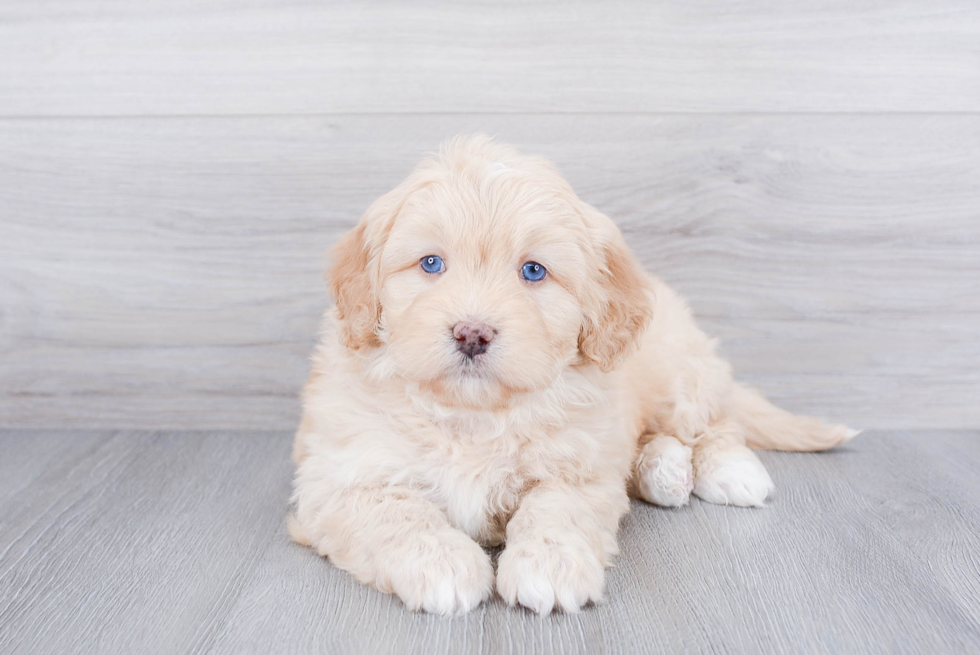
{"x":497,"y":369}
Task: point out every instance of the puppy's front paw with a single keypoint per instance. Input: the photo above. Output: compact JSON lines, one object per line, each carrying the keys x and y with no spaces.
{"x":543,"y":576}
{"x":442,"y":574}
{"x":731,"y":476}
{"x":664,"y":474}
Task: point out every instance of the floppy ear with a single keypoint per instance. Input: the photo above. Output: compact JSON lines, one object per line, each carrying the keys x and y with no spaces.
{"x":353,"y":289}
{"x":620,"y":305}
{"x":354,"y":275}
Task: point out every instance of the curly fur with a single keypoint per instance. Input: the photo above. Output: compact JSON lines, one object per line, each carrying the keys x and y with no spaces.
{"x":597,"y":384}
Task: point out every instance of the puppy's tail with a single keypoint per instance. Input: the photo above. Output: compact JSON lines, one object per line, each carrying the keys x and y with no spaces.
{"x":771,"y":428}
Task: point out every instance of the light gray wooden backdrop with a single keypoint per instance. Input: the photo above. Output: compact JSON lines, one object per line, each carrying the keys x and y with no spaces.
{"x":172,"y":172}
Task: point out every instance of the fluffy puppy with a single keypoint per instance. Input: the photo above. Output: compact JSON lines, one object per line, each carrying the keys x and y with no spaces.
{"x":497,"y":369}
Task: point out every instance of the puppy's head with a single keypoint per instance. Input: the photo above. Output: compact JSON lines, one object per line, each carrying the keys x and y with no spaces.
{"x":483,"y":275}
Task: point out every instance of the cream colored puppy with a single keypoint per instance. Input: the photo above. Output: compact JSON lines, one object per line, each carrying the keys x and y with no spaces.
{"x":497,"y":369}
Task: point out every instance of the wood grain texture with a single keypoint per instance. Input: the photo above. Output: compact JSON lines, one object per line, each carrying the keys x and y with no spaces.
{"x":174,"y":542}
{"x":168,"y":272}
{"x":930,"y":481}
{"x":167,"y":57}
{"x":140,"y":544}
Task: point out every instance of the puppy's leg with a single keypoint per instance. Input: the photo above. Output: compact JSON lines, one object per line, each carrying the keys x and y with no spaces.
{"x":663,"y":472}
{"x":394,"y":539}
{"x":726,"y":471}
{"x":558,"y":544}
{"x":299,"y":440}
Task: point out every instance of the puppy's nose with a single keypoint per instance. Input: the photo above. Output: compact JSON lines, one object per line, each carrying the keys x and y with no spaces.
{"x":473,"y":339}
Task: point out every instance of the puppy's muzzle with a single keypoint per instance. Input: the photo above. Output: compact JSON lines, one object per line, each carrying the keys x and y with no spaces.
{"x":473,"y":339}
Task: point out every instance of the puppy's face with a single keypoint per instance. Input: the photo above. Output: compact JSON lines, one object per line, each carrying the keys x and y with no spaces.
{"x":480,"y":298}
{"x":484,"y":276}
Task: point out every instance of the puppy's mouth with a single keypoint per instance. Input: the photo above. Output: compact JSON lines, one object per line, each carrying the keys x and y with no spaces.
{"x":475,"y":366}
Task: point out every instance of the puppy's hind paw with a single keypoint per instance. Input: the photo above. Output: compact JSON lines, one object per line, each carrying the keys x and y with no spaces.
{"x":664,"y":473}
{"x":732,"y":476}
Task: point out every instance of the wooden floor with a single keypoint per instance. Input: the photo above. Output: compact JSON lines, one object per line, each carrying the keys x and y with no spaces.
{"x":141,"y":542}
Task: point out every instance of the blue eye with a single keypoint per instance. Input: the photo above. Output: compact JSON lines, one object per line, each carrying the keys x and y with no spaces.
{"x":432,"y":264}
{"x":533,"y":271}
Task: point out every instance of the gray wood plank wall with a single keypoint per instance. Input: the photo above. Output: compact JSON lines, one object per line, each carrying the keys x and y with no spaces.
{"x":171,"y":174}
